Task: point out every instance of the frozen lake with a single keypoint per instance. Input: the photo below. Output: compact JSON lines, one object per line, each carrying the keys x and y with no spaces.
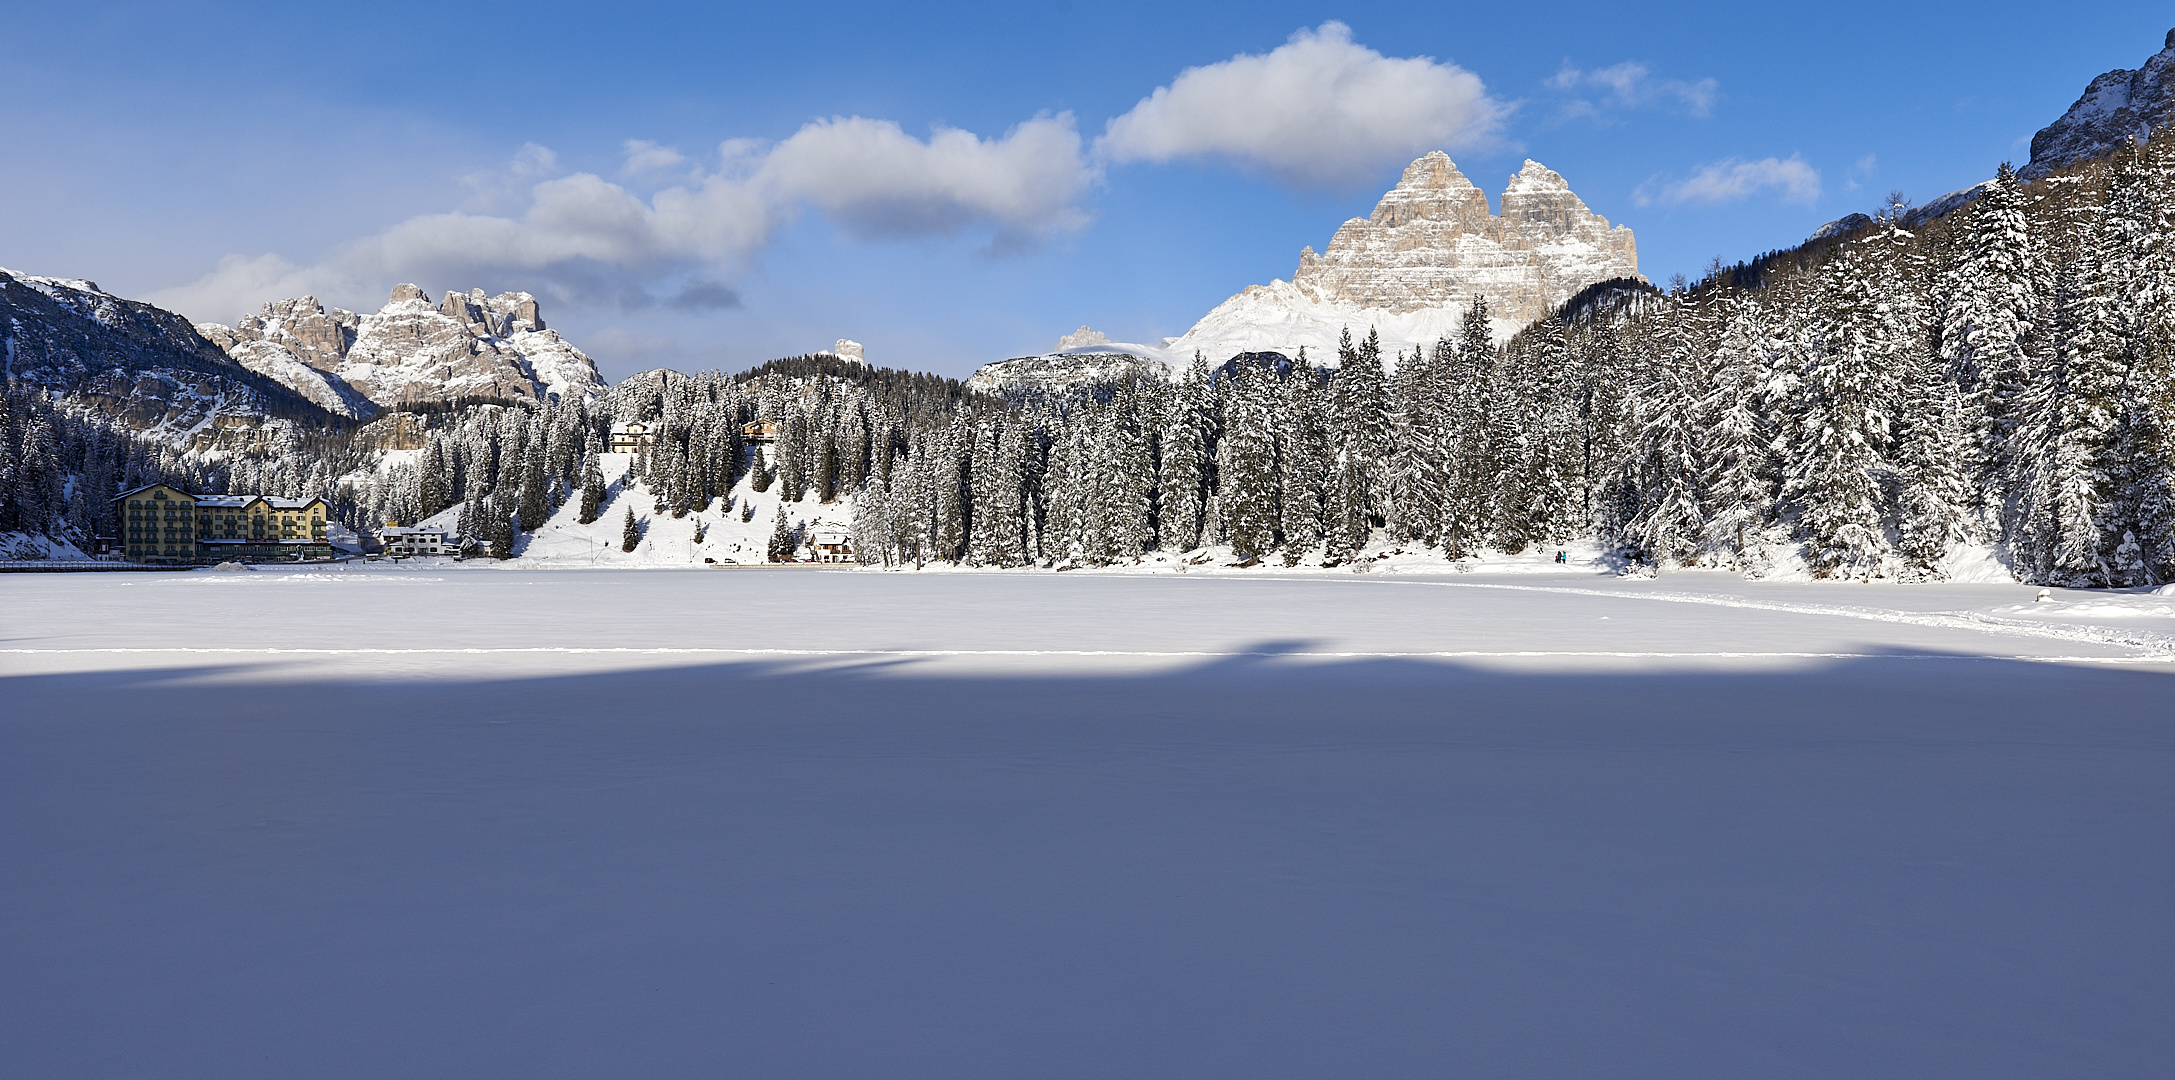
{"x":492,"y":822}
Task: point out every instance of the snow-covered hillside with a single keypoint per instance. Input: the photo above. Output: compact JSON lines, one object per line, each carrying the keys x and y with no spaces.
{"x":564,"y":541}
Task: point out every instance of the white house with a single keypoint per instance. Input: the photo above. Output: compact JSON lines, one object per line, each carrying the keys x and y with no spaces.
{"x":403,"y":540}
{"x":830,"y":545}
{"x":631,"y":437}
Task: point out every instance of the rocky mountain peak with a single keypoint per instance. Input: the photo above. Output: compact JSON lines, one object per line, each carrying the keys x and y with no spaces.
{"x":1432,"y":189}
{"x":1534,"y":176}
{"x":1411,"y":266}
{"x":467,"y":346}
{"x":1432,"y":242}
{"x":1082,"y":338}
{"x":2121,"y":106}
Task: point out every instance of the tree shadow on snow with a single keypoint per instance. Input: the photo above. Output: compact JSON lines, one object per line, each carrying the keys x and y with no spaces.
{"x":1258,"y":865}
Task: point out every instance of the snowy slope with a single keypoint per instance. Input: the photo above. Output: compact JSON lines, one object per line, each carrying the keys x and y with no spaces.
{"x":666,"y":541}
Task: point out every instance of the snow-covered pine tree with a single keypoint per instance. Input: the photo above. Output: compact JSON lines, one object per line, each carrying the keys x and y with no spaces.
{"x":1416,"y":456}
{"x":1247,"y":459}
{"x":535,"y":495}
{"x":1991,"y":305}
{"x":434,"y":479}
{"x":1849,"y":398}
{"x":1469,"y":467}
{"x":592,"y":489}
{"x":1733,"y":435}
{"x":1667,"y":466}
{"x":1183,"y":482}
{"x":2079,"y":453}
{"x":630,"y":532}
{"x":1304,"y":460}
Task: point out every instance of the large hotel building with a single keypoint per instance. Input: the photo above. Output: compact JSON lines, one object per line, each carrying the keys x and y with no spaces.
{"x":162,"y":523}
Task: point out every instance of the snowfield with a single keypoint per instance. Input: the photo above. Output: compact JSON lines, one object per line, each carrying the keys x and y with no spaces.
{"x":490,"y":820}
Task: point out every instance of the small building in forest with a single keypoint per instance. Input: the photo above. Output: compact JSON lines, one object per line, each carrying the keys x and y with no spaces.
{"x":759,"y":431}
{"x":631,"y":437}
{"x":405,"y":540}
{"x":830,"y":545}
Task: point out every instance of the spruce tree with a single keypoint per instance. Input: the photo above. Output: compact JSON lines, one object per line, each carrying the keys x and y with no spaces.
{"x":781,"y":539}
{"x":535,"y":497}
{"x":630,"y":533}
{"x":1988,"y":320}
{"x":592,"y":490}
{"x":1848,"y":399}
{"x":1247,"y":461}
{"x":1466,"y":374}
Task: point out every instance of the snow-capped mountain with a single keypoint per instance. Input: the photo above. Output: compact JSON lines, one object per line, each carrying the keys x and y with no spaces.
{"x":2118,"y":107}
{"x":1409,"y":268}
{"x":142,"y":367}
{"x":468,"y":346}
{"x":1082,"y":358}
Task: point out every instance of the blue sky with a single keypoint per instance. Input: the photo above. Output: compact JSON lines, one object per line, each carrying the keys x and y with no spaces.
{"x":714,"y":185}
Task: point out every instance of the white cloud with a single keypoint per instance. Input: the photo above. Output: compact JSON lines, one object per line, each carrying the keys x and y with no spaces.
{"x":879,"y":181}
{"x":493,"y":190}
{"x":1632,"y":85}
{"x":583,"y":238}
{"x":1732,"y":180}
{"x":1318,"y":109}
{"x":645,"y":157}
{"x":1862,"y":169}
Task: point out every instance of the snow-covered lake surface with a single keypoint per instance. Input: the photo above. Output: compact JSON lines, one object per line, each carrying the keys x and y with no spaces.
{"x":450,"y":820}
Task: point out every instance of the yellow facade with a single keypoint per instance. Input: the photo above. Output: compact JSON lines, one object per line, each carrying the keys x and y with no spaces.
{"x":162,"y":523}
{"x":158,"y":524}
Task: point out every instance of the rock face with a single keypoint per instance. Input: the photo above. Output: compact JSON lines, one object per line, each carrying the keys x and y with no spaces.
{"x":468,"y":346}
{"x":2118,"y":107}
{"x":1409,"y":268}
{"x":846,"y":349}
{"x":144,"y":368}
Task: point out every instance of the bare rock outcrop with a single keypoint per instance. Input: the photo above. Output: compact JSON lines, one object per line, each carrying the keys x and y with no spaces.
{"x":466,"y":347}
{"x":2119,"y":107}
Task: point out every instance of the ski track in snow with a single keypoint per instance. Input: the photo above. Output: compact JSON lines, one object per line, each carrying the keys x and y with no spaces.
{"x":2157,"y":646}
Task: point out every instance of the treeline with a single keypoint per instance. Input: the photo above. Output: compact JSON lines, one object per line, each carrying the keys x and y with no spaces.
{"x":2000,"y":377}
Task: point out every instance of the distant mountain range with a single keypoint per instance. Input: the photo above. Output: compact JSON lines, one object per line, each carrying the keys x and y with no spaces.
{"x":1408,"y":269}
{"x":466,"y":347}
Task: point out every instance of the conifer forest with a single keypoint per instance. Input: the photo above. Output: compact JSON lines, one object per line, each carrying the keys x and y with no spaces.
{"x":1999,"y":376}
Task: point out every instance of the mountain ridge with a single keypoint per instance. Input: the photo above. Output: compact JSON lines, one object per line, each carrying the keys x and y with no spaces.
{"x":468,"y":346}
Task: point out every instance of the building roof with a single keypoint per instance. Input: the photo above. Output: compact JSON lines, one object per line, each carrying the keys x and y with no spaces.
{"x":272,"y":501}
{"x":147,"y":487}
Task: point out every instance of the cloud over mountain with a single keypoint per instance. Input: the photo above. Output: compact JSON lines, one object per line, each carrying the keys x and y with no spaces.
{"x":1318,"y":110}
{"x":588,"y":239}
